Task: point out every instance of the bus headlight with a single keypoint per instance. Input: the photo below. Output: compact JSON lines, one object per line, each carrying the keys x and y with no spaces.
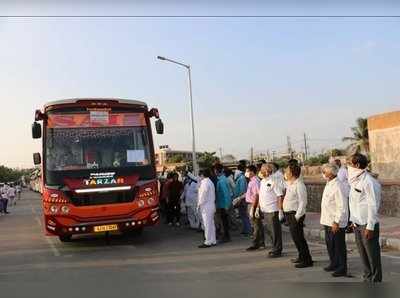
{"x":65,"y":209}
{"x":141,"y":203}
{"x":150,"y":201}
{"x":53,"y":209}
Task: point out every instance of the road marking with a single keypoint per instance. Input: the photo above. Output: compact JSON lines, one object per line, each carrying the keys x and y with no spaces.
{"x":53,"y":248}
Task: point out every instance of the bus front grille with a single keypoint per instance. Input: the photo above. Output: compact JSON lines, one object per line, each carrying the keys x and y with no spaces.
{"x":93,"y":199}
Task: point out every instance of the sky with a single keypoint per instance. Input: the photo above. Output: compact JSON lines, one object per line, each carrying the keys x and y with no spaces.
{"x":255,"y":80}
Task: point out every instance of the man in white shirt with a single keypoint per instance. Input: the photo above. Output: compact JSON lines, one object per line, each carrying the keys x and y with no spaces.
{"x":206,"y":207}
{"x":365,"y":200}
{"x":270,"y":194}
{"x":342,"y":176}
{"x":11,"y":195}
{"x":294,"y":206}
{"x":189,"y":196}
{"x":334,"y":215}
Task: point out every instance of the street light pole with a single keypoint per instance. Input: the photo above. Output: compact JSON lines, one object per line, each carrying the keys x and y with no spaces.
{"x":194,"y":156}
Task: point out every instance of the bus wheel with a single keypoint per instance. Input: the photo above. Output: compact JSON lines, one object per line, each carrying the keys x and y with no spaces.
{"x":65,"y":238}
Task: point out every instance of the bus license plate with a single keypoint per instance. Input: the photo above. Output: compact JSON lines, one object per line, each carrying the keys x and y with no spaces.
{"x":105,"y":228}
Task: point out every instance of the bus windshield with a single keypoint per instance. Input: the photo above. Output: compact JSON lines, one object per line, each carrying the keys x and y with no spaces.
{"x":74,"y":142}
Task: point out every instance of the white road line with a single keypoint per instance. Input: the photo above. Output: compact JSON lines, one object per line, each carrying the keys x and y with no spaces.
{"x":53,"y":248}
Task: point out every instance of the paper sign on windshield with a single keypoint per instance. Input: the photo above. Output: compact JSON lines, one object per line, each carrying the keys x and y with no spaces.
{"x":135,"y":156}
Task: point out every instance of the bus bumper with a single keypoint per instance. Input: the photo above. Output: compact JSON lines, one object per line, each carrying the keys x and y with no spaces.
{"x":55,"y":228}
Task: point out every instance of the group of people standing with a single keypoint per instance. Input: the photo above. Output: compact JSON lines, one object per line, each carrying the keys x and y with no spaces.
{"x":350,"y":202}
{"x":266,"y":197}
{"x":9,"y":193}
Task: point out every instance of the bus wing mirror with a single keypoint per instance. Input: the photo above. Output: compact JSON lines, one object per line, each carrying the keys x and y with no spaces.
{"x":159,"y":127}
{"x":37,"y":159}
{"x":154,"y":113}
{"x":36,"y":130}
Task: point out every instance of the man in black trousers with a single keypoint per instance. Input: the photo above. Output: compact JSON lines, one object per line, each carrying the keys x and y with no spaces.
{"x":294,"y":206}
{"x":365,"y":200}
{"x":334,"y":215}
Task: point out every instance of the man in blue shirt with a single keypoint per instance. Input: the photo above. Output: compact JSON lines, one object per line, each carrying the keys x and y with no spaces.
{"x":223,"y":201}
{"x":240,"y":190}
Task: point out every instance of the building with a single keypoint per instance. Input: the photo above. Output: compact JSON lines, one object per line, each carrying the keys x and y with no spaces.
{"x":165,"y":155}
{"x":384,"y":142}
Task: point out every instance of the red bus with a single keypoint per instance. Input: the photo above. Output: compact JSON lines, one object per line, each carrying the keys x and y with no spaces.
{"x":98,"y":166}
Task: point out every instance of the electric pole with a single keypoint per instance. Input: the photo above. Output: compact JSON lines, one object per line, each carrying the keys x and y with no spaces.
{"x":251,"y":155}
{"x":305,"y":147}
{"x":289,"y":146}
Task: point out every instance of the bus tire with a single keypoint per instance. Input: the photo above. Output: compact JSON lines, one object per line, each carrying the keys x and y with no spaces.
{"x":65,"y":238}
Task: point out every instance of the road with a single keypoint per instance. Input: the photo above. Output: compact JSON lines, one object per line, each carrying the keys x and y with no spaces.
{"x":163,"y":261}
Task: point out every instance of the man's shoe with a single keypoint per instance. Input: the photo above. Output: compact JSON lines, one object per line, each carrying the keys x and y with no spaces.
{"x":339,"y":274}
{"x":274,"y":255}
{"x":304,"y":265}
{"x":252,"y":248}
{"x":295,"y":261}
{"x":329,"y":268}
{"x":205,"y":246}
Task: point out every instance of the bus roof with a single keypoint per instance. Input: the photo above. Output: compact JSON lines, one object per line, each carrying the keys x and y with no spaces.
{"x":74,"y":100}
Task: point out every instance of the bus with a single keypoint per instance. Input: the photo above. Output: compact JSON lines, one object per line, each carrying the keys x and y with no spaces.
{"x":97,"y":166}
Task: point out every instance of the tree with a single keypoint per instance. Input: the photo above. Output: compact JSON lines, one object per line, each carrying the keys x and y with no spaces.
{"x":207,"y":160}
{"x":176,"y":158}
{"x":317,"y":160}
{"x":359,"y":140}
{"x":336,"y":152}
{"x":12,"y":175}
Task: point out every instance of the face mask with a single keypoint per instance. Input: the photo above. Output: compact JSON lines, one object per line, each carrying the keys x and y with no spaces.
{"x":247,"y":174}
{"x":354,"y":173}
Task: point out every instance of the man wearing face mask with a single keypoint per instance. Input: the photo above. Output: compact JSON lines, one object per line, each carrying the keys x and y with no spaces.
{"x":223,"y":201}
{"x":252,"y":197}
{"x":206,"y":208}
{"x":334,"y":215}
{"x":240,"y":193}
{"x":271,"y":193}
{"x":365,"y":199}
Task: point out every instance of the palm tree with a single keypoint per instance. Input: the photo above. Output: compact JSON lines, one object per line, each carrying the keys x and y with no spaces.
{"x":359,"y":140}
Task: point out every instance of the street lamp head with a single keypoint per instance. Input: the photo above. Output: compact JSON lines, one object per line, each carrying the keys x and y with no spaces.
{"x":161,"y":58}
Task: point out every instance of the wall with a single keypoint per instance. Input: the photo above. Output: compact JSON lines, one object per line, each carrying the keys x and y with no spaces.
{"x":390,"y":205}
{"x":384,"y":139}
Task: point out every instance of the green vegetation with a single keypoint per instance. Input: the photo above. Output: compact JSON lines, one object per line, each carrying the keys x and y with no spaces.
{"x":9,"y":175}
{"x":207,"y":160}
{"x":317,"y":160}
{"x":176,"y":159}
{"x":359,"y":142}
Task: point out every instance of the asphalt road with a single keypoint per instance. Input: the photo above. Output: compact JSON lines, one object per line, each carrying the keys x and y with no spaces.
{"x":164,"y":261}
